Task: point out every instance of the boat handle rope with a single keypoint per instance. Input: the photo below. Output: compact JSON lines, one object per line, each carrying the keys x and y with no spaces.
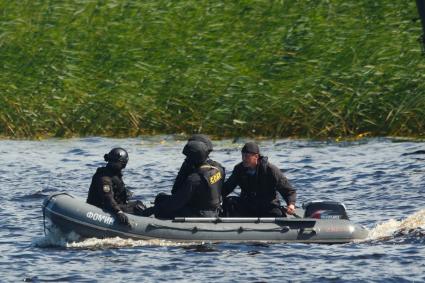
{"x":44,"y":208}
{"x":44,"y":220}
{"x":240,"y":229}
{"x":217,"y":220}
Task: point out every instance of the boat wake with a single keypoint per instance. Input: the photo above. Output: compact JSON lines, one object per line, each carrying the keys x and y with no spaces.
{"x":118,"y":242}
{"x":408,"y":230}
{"x":54,"y":238}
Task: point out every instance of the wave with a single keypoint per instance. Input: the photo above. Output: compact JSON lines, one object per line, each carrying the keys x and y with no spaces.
{"x":118,"y":242}
{"x":410,"y":229}
{"x":54,"y":238}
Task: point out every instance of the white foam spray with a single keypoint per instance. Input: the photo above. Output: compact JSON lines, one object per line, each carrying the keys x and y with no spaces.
{"x":388,"y":228}
{"x":56,"y":238}
{"x":117,"y":242}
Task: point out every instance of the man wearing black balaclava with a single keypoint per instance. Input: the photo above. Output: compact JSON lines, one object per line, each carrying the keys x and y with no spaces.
{"x":200,"y":192}
{"x":108,"y":191}
{"x":260,"y":181}
{"x":187,"y":168}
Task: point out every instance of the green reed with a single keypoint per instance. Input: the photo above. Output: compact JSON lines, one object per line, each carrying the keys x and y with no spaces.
{"x":313,"y":69}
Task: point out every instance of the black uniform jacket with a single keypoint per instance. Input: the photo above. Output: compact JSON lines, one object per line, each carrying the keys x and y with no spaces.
{"x":260,"y":190}
{"x":107,"y":190}
{"x":200,"y":192}
{"x":186,"y":169}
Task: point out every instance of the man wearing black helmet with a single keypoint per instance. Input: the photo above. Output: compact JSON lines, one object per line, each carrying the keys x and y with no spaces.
{"x":200,"y":192}
{"x":107,"y":189}
{"x":187,"y":168}
{"x":259,"y":181}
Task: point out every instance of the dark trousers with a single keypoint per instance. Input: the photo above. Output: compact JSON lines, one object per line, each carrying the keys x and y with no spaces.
{"x":133,"y":207}
{"x":162,"y":212}
{"x":234,"y":206}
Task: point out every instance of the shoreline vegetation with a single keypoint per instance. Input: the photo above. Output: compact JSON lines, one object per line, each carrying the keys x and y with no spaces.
{"x":121,"y":68}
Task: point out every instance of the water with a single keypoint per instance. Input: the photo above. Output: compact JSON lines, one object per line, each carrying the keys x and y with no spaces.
{"x":382,"y":188}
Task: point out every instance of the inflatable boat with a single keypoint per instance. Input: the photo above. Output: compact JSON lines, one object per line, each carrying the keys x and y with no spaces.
{"x":317,"y":222}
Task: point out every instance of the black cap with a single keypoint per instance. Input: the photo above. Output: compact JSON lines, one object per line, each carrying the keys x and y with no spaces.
{"x":251,"y":147}
{"x":202,"y":138}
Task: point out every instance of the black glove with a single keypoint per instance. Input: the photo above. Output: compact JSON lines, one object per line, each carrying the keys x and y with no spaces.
{"x":122,"y":218}
{"x":139,"y":207}
{"x":148,"y":211}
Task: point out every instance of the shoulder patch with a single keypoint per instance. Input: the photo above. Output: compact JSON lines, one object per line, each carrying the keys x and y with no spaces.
{"x":215,"y":178}
{"x":106,"y":188}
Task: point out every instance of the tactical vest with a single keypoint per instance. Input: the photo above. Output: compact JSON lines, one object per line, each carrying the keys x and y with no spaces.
{"x":208,"y":195}
{"x":95,"y":196}
{"x":118,"y":187}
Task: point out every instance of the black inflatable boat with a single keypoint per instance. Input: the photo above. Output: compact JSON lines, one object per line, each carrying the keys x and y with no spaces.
{"x":319,"y":222}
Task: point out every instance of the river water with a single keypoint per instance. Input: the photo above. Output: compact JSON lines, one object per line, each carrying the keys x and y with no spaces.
{"x":381,"y":184}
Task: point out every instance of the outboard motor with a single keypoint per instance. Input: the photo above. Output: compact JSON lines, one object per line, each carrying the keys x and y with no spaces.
{"x":325,"y":210}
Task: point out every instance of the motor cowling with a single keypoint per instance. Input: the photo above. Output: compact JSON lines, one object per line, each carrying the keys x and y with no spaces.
{"x":325,"y":210}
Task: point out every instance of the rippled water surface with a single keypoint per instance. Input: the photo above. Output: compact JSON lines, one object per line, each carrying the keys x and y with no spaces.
{"x":381,"y":184}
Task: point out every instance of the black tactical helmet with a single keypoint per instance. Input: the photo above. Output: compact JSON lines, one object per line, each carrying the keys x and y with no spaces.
{"x":204,"y":139}
{"x":117,"y":154}
{"x":196,"y":152}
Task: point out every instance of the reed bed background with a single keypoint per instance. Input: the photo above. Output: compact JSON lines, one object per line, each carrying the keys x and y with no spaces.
{"x":314,"y":69}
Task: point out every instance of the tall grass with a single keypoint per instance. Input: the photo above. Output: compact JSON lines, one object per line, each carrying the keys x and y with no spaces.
{"x":328,"y":68}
